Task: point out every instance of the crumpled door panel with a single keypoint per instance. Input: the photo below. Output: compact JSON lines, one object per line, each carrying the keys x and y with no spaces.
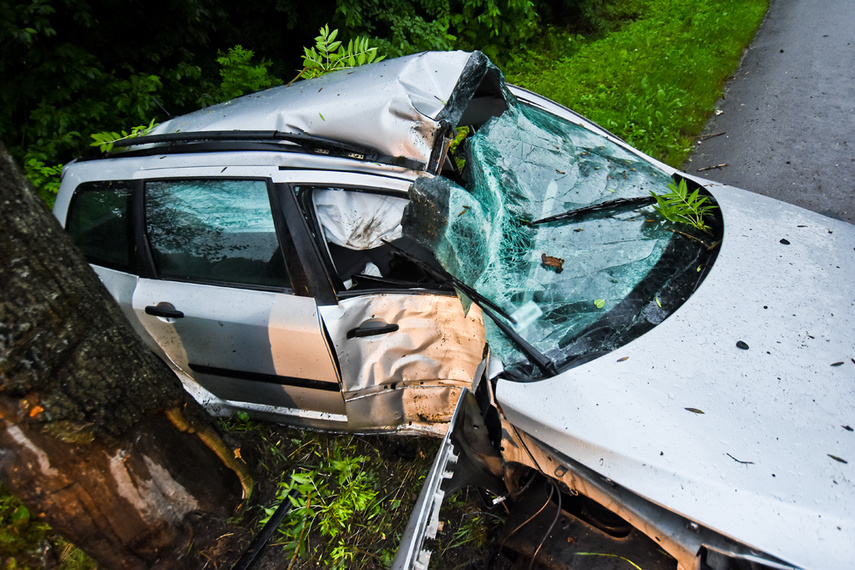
{"x":404,"y":358}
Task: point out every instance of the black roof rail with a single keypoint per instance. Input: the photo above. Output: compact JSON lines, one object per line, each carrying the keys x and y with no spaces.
{"x":216,"y":141}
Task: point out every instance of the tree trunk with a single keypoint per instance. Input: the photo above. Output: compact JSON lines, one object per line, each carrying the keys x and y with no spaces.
{"x":93,"y":426}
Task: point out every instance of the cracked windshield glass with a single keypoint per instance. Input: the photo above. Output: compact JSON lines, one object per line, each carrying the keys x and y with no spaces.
{"x":572,"y":287}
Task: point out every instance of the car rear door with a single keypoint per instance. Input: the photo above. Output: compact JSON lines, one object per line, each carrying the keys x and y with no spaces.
{"x":218,"y":297}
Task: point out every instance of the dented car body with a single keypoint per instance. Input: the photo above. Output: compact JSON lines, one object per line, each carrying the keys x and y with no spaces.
{"x":326,"y":255}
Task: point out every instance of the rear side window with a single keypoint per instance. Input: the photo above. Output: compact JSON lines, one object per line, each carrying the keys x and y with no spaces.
{"x":98,"y":223}
{"x":218,"y":231}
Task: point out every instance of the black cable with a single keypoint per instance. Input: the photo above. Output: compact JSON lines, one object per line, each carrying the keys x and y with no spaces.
{"x":528,"y":520}
{"x":549,"y":530}
{"x":247,"y":560}
{"x":527,"y":484}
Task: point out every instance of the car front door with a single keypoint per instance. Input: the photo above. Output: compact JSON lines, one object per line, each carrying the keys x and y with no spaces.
{"x":404,"y":343}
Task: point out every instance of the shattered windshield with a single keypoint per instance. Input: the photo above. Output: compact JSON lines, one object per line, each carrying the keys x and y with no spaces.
{"x":575,"y":287}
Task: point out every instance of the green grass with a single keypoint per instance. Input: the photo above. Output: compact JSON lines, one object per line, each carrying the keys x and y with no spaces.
{"x":355,"y":493}
{"x":655,"y":79}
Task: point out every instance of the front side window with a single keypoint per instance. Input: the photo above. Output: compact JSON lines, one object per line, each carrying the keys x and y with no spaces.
{"x":217,"y":231}
{"x":98,"y":223}
{"x":360,"y":230}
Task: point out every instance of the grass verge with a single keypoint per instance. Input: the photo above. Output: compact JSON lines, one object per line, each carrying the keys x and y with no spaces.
{"x":654,"y":80}
{"x":353,"y":493}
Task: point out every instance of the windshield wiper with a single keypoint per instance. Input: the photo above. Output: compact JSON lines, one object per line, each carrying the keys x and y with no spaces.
{"x":488,"y":307}
{"x":443,"y":275}
{"x":611,"y":206}
{"x":546,"y":365}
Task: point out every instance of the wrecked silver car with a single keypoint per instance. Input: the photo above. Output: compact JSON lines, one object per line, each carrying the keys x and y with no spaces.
{"x":395,"y":246}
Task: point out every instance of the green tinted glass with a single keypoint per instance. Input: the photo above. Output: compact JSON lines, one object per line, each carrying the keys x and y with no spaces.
{"x":214,"y":231}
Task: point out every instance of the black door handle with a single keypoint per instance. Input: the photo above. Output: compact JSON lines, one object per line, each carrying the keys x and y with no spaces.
{"x":165,"y":310}
{"x":371,"y":328}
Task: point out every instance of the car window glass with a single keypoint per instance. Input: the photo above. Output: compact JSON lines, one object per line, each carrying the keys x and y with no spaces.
{"x":214,"y":231}
{"x":98,"y":223}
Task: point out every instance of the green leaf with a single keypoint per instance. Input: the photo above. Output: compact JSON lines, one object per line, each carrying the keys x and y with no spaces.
{"x":679,"y":206}
{"x":21,"y":516}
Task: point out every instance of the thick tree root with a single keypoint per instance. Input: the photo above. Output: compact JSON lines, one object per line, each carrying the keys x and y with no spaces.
{"x":211,"y":439}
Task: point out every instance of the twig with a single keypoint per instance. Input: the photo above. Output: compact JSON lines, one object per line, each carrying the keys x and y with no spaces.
{"x":712,"y":135}
{"x":300,"y":539}
{"x":693,"y":238}
{"x":742,"y":462}
{"x":711,"y":167}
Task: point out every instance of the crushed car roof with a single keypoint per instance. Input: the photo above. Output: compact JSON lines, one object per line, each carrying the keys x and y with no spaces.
{"x":397,"y":107}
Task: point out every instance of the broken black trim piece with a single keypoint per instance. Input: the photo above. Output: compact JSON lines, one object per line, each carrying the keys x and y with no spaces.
{"x":465,"y":458}
{"x":266,"y":378}
{"x":247,"y":560}
{"x":424,"y":521}
{"x":214,"y":141}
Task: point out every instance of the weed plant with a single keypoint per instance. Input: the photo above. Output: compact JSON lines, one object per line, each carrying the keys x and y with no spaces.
{"x":680,"y":207}
{"x":654,"y":79}
{"x":26,"y":542}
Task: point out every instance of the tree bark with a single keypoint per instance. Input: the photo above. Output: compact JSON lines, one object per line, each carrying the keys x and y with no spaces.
{"x":93,"y":428}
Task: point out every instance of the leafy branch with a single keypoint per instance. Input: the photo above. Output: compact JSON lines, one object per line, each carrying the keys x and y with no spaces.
{"x":330,"y":54}
{"x":683,"y":208}
{"x":105,"y":141}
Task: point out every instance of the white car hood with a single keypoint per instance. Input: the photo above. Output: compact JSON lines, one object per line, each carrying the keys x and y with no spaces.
{"x":756,"y":444}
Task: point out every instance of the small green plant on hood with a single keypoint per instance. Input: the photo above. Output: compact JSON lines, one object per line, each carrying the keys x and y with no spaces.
{"x":680,"y":207}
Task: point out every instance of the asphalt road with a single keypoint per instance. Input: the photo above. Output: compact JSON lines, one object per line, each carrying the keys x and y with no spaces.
{"x":788,"y":115}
